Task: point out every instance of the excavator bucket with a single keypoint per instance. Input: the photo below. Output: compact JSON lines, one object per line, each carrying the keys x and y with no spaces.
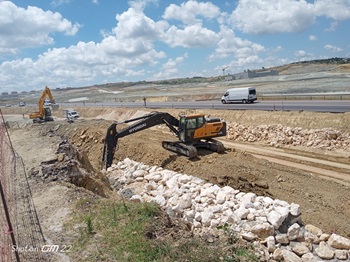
{"x":110,"y":145}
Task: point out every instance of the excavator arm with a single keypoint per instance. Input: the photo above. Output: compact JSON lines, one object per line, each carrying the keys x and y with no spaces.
{"x":144,"y":122}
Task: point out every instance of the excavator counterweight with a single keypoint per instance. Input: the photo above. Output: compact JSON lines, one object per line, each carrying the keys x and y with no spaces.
{"x":193,"y":131}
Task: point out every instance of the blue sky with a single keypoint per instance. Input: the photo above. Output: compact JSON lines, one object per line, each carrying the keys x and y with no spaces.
{"x":76,"y":43}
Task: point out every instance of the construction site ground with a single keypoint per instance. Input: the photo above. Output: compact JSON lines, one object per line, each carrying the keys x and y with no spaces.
{"x":318,"y":180}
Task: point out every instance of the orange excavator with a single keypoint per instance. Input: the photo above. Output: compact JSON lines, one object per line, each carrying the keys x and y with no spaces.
{"x":44,"y":114}
{"x":193,"y":131}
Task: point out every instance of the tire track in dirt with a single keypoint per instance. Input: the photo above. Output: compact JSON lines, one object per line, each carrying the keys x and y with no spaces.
{"x":322,"y":168}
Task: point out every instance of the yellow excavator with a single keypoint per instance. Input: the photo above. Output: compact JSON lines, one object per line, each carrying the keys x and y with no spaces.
{"x":44,"y":113}
{"x":193,"y":131}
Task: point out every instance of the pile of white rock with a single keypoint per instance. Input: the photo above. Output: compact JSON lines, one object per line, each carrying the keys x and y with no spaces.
{"x":277,"y":135}
{"x":273,"y":226}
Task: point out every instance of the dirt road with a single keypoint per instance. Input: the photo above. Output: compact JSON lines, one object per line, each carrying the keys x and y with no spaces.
{"x":313,"y":164}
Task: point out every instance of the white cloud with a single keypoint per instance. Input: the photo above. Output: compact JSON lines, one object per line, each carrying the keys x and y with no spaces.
{"x":56,"y":3}
{"x":333,"y":48}
{"x":77,"y":65}
{"x":31,"y":27}
{"x":335,"y":9}
{"x":231,"y":45}
{"x":115,"y":58}
{"x":141,"y":4}
{"x":312,"y":38}
{"x":96,"y":2}
{"x":300,"y":53}
{"x":173,"y":63}
{"x":191,"y":36}
{"x":134,"y":24}
{"x":170,"y":68}
{"x":332,"y":26}
{"x":118,"y":55}
{"x":190,"y":11}
{"x":277,"y":49}
{"x":125,"y":48}
{"x":243,"y":62}
{"x":266,"y":17}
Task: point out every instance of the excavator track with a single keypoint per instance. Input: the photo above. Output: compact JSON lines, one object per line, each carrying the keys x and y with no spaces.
{"x":213,"y":145}
{"x":191,"y":150}
{"x":216,"y":146}
{"x":180,"y":148}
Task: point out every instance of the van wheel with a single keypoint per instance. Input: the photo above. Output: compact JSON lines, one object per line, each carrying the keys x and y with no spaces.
{"x":223,"y":101}
{"x":244,"y":101}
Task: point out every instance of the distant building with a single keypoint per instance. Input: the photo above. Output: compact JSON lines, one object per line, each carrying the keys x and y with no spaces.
{"x":253,"y":74}
{"x":14,"y":93}
{"x":4,"y":94}
{"x":229,"y":78}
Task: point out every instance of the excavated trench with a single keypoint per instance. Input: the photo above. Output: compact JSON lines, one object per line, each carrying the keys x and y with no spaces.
{"x":73,"y":166}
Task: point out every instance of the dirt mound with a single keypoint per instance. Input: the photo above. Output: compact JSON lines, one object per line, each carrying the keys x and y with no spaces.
{"x":344,"y":68}
{"x":278,"y":135}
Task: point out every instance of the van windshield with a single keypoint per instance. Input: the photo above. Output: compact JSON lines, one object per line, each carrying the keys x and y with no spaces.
{"x":252,"y":92}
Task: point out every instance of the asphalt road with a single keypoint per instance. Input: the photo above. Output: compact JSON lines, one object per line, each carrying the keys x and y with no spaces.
{"x":333,"y":106}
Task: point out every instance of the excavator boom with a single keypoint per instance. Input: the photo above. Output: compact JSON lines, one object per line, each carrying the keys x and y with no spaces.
{"x":146,"y":121}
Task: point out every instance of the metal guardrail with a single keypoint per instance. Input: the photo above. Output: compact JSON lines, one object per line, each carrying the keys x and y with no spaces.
{"x":307,"y":96}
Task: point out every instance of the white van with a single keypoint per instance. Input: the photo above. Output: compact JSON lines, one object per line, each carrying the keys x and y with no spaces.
{"x":241,"y":94}
{"x":70,"y":114}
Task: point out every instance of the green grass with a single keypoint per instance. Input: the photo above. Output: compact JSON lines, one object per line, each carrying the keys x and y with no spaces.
{"x":126,"y":231}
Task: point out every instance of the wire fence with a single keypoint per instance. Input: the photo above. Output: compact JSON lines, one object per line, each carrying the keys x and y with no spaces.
{"x":8,"y":195}
{"x":21,"y":236}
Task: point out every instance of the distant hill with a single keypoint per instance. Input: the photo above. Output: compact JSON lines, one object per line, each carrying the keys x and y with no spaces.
{"x":341,"y":65}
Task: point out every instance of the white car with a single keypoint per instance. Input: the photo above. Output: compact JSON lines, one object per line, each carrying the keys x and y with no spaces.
{"x":22,"y":103}
{"x":47,"y":102}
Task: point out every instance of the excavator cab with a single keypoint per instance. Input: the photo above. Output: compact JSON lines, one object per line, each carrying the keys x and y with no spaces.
{"x":197,"y":127}
{"x":188,"y":126}
{"x":47,"y":117}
